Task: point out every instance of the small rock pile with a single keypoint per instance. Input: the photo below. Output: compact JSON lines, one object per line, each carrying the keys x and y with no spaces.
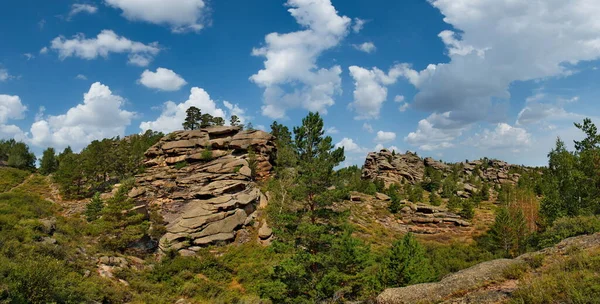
{"x":428,"y":219}
{"x":201,"y":182}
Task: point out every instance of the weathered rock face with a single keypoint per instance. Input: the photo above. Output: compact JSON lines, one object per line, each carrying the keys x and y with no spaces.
{"x":201,"y":182}
{"x":392,"y":168}
{"x":403,"y":168}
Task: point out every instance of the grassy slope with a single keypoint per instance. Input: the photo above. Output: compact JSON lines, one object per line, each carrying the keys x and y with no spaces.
{"x":10,"y":178}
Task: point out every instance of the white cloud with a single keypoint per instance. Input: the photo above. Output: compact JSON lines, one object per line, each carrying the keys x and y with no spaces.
{"x":358,"y":25}
{"x":541,"y":108}
{"x":180,"y":15}
{"x":380,"y":147}
{"x":4,"y":75}
{"x":44,"y":50}
{"x":173,"y":114}
{"x":291,"y":60}
{"x":350,"y":146}
{"x":105,"y":43}
{"x":367,"y":47}
{"x":503,"y":137}
{"x":370,"y":90}
{"x":81,"y":77}
{"x":163,"y":79}
{"x":403,"y":105}
{"x":501,"y":42}
{"x":234,"y":109}
{"x":383,"y":136}
{"x":78,"y":8}
{"x":332,"y":130}
{"x":11,"y":108}
{"x":428,"y":138}
{"x":367,"y":127}
{"x":29,"y":56}
{"x":101,"y":115}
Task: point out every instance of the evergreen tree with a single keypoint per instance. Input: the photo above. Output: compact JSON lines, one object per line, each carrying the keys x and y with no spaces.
{"x":218,"y":121}
{"x":234,"y":121}
{"x":20,"y":157}
{"x":94,"y":208}
{"x":192,"y":119}
{"x":49,"y":162}
{"x":206,"y":120}
{"x":69,"y":175}
{"x":406,"y":264}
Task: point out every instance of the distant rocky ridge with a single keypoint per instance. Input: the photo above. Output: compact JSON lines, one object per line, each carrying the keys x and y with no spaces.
{"x":201,"y":182}
{"x":410,"y":168}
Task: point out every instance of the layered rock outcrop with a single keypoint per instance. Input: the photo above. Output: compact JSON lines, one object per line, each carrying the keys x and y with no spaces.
{"x":202,"y":183}
{"x":410,"y":168}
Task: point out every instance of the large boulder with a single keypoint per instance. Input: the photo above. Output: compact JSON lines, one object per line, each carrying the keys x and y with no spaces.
{"x":201,"y":183}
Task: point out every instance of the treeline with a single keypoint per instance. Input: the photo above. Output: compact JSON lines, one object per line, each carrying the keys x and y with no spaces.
{"x":17,"y":155}
{"x":99,"y":165}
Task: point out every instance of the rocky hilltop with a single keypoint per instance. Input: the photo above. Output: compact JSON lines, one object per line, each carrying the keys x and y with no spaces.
{"x":201,"y":182}
{"x":410,"y":168}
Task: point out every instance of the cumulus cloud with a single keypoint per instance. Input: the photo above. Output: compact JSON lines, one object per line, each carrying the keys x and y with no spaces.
{"x":163,"y":79}
{"x":79,"y":8}
{"x":81,"y":77}
{"x":380,"y":147}
{"x":350,"y":146}
{"x":173,"y":114}
{"x":101,"y":115}
{"x":44,"y":50}
{"x":504,"y":136}
{"x":370,"y":90}
{"x":106,"y":42}
{"x":358,"y":25}
{"x":180,"y":15}
{"x":291,"y":77}
{"x":235,"y":109}
{"x":500,"y":42}
{"x":11,"y":108}
{"x":383,"y":136}
{"x":428,"y":138}
{"x":367,"y":47}
{"x":367,"y":127}
{"x":541,"y":108}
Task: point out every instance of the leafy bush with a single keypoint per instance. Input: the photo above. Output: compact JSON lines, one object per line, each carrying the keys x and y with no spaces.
{"x":568,"y":227}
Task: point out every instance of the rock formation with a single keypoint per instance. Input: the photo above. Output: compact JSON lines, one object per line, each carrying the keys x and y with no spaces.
{"x":410,"y":168}
{"x":201,"y":183}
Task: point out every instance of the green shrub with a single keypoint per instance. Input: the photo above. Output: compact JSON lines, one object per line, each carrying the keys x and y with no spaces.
{"x":455,"y":203}
{"x":467,"y":210}
{"x":568,"y":227}
{"x":183,"y":164}
{"x":515,"y":271}
{"x":11,"y":177}
{"x":435,"y":199}
{"x":94,"y":208}
{"x":207,"y":154}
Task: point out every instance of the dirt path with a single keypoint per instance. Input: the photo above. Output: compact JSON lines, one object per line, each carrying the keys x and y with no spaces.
{"x":22,"y":183}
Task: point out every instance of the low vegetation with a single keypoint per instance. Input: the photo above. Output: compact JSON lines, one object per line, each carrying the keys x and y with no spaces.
{"x":316,"y":256}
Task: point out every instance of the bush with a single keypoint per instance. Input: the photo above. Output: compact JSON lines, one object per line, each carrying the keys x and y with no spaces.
{"x":10,"y":178}
{"x":455,"y":203}
{"x":467,"y":210}
{"x":568,"y":227}
{"x":435,"y":199}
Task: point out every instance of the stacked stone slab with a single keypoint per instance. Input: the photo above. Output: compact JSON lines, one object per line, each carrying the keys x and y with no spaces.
{"x":201,"y":182}
{"x":410,"y":168}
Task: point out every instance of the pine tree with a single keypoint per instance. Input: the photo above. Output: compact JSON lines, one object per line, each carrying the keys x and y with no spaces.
{"x":234,"y":121}
{"x":94,"y":208}
{"x":192,"y":119}
{"x":406,"y":264}
{"x":218,"y":121}
{"x":206,"y":120}
{"x":49,"y":162}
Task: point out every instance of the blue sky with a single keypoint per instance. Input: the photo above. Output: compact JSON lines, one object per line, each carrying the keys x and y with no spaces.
{"x":452,"y":79}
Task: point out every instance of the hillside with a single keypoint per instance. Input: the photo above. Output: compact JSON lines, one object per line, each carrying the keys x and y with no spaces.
{"x":226,"y":215}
